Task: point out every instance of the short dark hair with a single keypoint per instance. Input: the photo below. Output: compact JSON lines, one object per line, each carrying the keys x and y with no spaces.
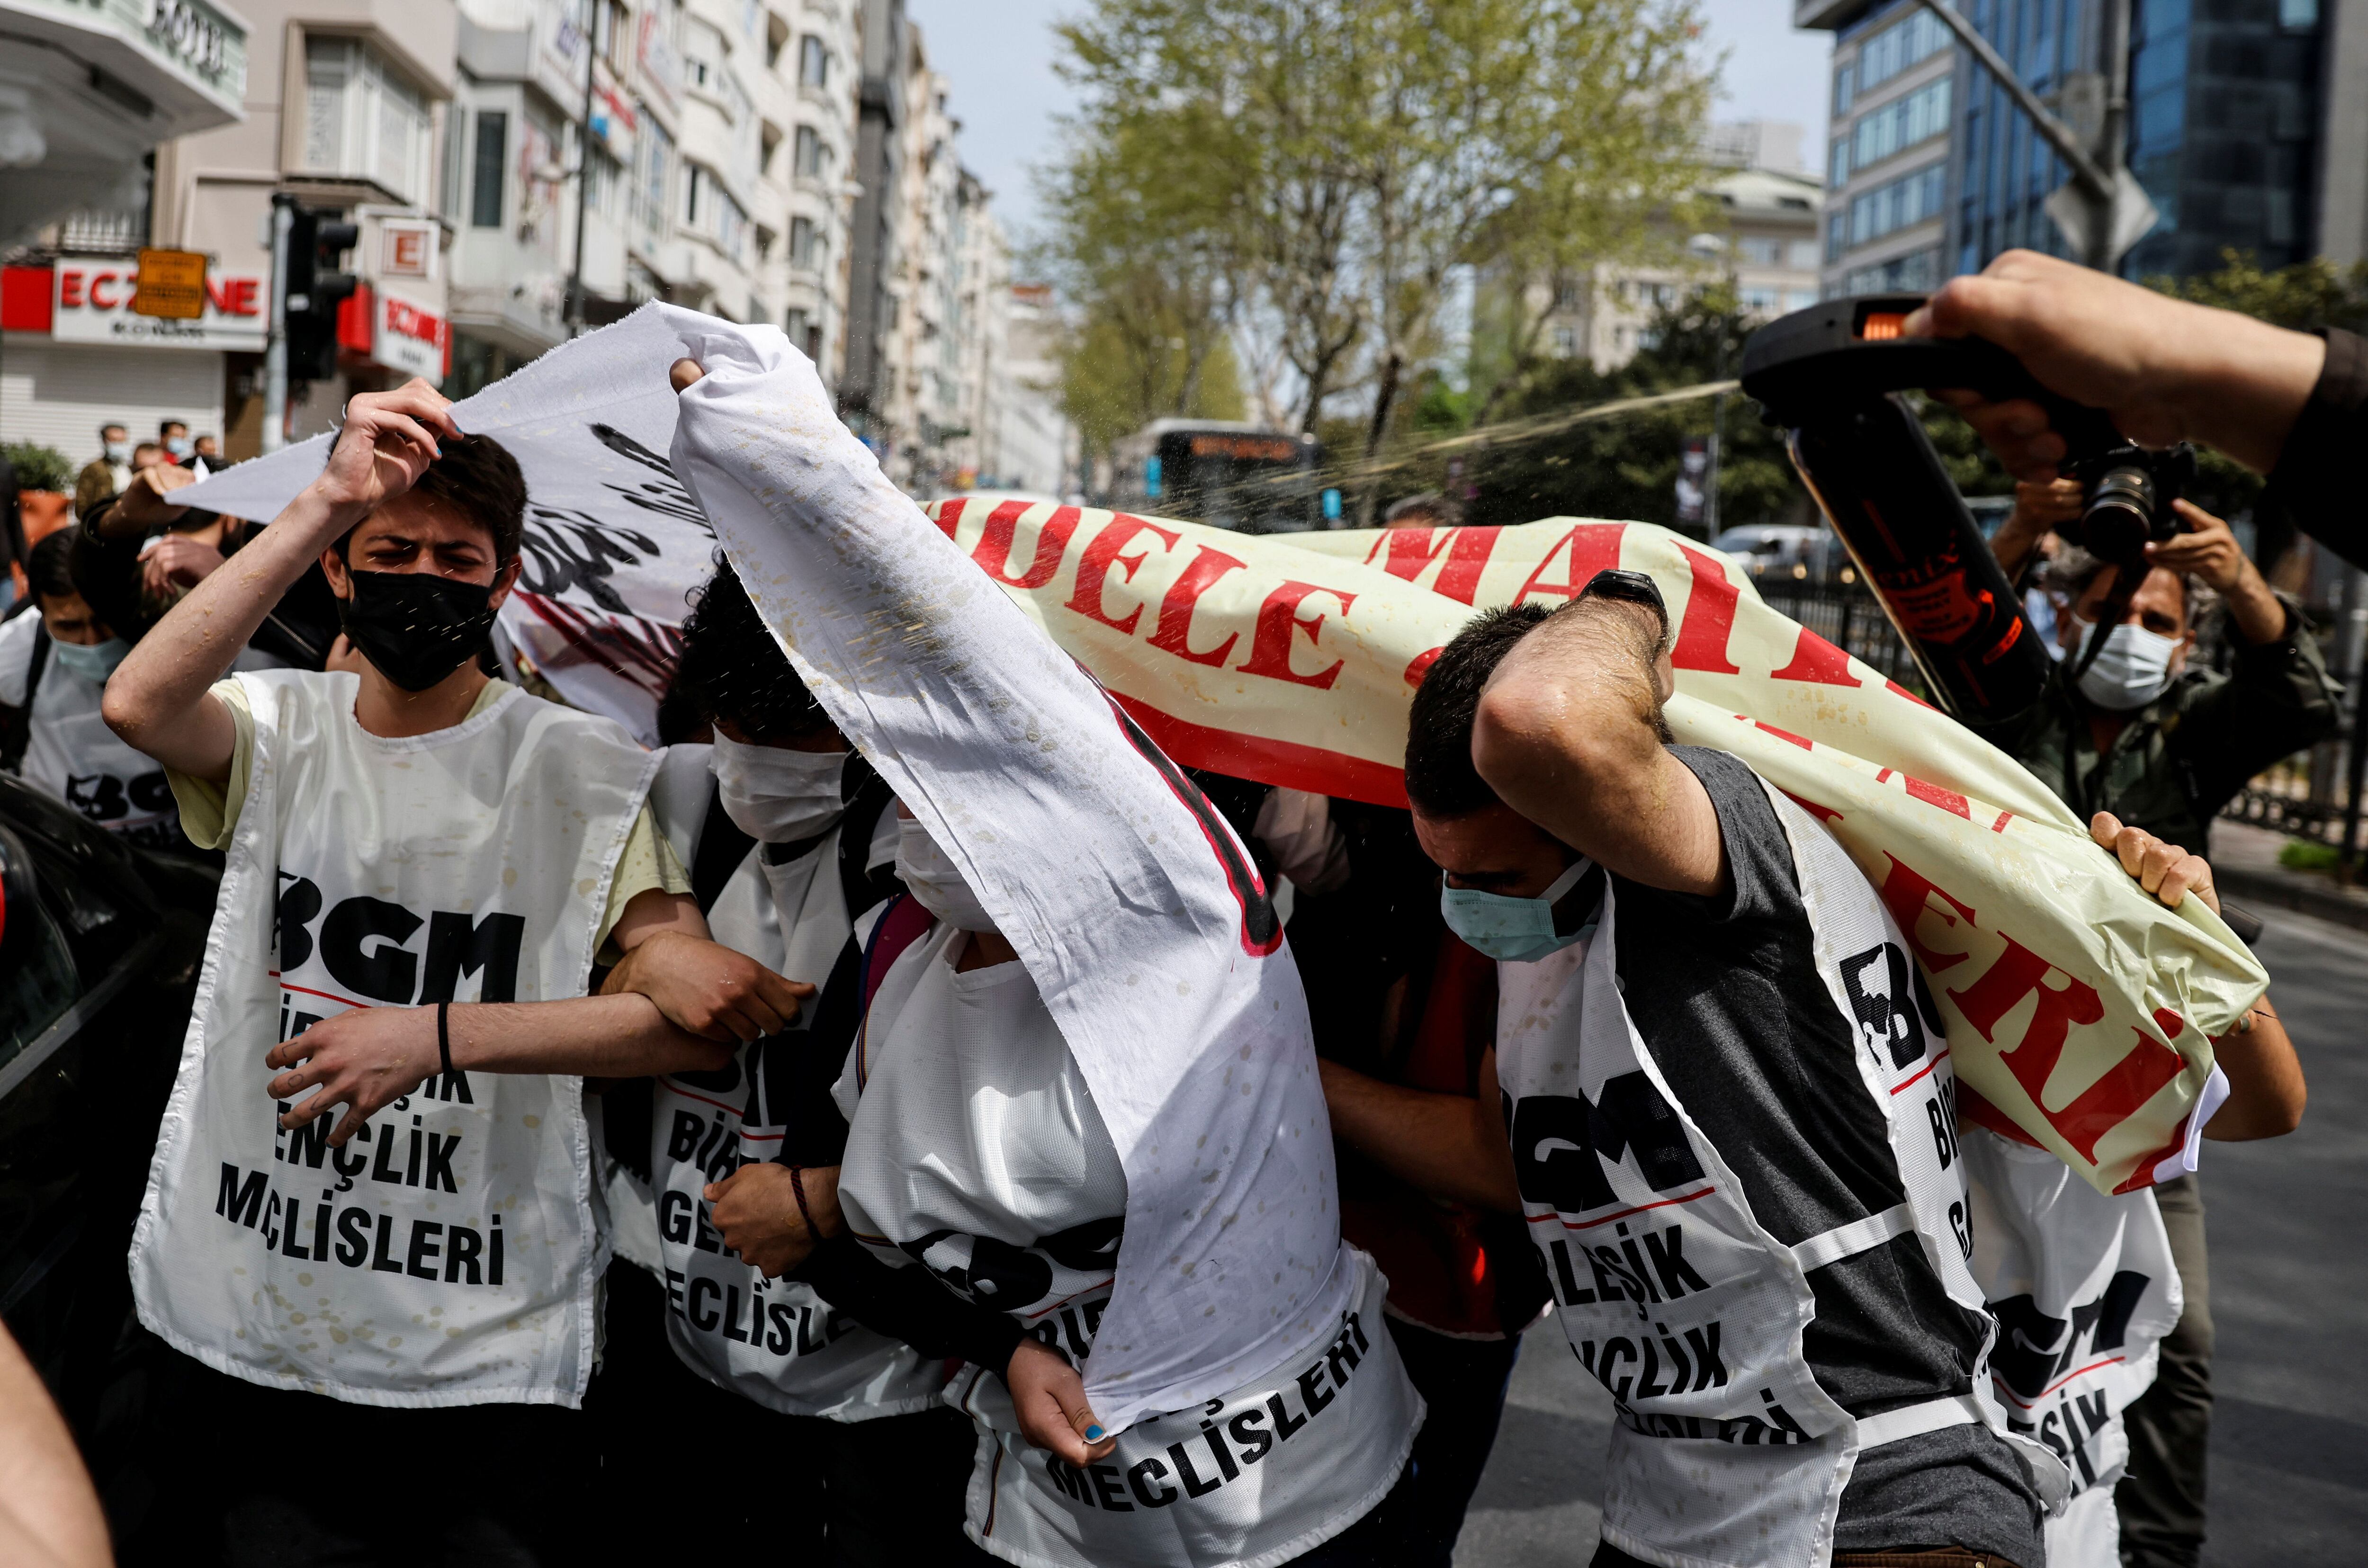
{"x":1439,"y":779}
{"x":50,"y":568}
{"x":113,"y":425}
{"x":478,"y":478}
{"x":165,"y":425}
{"x":731,"y":669}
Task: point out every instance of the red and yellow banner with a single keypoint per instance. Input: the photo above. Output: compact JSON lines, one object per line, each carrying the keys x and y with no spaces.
{"x":2074,"y":1003}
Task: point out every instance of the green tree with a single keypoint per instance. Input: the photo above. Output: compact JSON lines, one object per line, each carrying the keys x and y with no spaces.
{"x":1338,"y":160}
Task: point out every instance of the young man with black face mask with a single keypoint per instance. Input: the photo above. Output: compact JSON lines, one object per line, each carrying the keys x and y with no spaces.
{"x":819,"y":1437}
{"x":422,"y":864}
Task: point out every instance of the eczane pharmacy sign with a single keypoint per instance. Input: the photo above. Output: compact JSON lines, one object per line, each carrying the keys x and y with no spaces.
{"x":93,"y":304}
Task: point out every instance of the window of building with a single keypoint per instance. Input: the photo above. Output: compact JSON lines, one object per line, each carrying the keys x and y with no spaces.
{"x":810,"y":153}
{"x":1912,"y":198}
{"x":654,"y":152}
{"x":1914,"y":39}
{"x":1836,"y":227}
{"x":607,"y":177}
{"x":362,"y":121}
{"x":1565,"y":342}
{"x":1901,"y":274}
{"x":814,"y":62}
{"x":491,"y":162}
{"x":1900,"y":124}
{"x":1837,"y":163}
{"x":1804,"y":254}
{"x":805,"y":244}
{"x":702,"y":56}
{"x":794,"y":324}
{"x":1760,"y":250}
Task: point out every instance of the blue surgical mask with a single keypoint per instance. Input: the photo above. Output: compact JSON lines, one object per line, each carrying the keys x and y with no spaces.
{"x":181,"y":446}
{"x":1512,"y":930}
{"x":94,"y":662}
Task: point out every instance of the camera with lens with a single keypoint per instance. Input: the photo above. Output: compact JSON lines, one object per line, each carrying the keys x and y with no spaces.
{"x":2127,"y":495}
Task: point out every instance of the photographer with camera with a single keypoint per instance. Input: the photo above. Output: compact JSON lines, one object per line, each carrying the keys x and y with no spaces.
{"x":2126,"y":727}
{"x":2134,"y":727}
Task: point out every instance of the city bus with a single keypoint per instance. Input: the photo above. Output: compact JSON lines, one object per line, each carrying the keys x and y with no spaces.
{"x":1226,"y":474}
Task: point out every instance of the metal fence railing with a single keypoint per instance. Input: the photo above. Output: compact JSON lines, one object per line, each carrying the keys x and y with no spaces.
{"x":1847,"y":616}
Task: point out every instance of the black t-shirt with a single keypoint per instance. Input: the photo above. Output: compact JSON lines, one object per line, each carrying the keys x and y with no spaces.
{"x":1726,"y":994}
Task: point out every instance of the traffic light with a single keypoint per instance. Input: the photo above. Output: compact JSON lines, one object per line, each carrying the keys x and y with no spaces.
{"x":315,"y":289}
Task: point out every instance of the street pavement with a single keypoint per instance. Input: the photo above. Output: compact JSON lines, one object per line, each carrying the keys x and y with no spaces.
{"x":2289,"y":1232}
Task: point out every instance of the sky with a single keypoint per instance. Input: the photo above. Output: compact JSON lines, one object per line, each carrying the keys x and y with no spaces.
{"x":998,"y":55}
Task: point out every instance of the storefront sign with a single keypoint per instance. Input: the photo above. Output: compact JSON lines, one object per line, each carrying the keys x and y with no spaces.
{"x":172,"y":284}
{"x":406,"y":248}
{"x":93,"y":304}
{"x":404,"y":337}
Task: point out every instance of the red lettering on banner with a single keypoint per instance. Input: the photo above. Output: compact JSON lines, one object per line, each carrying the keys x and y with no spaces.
{"x":1933,"y":795}
{"x":70,"y":288}
{"x":106,"y":280}
{"x":1900,"y":690}
{"x":2020,"y":972}
{"x":1594,"y":547}
{"x":1407,"y":552}
{"x":1816,"y":660}
{"x":1908,"y":895}
{"x":1781,"y":734}
{"x":2114,"y":1097}
{"x":1174,"y":633}
{"x":1710,"y":619}
{"x":1101,"y":554}
{"x":1420,"y":665}
{"x":994,"y":550}
{"x":1277,"y":619}
{"x":947,"y":515}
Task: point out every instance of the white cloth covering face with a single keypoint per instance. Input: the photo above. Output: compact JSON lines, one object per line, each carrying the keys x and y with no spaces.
{"x":1134,"y":907}
{"x":775,"y":795}
{"x":975,"y":1149}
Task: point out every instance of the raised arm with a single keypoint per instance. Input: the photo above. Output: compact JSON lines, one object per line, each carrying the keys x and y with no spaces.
{"x":159,"y":700}
{"x":1569,"y":734}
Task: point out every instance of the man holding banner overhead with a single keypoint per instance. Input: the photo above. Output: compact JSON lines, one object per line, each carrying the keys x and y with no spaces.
{"x":422,"y":863}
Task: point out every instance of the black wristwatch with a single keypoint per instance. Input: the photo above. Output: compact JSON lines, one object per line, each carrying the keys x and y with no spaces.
{"x":1636,"y":587}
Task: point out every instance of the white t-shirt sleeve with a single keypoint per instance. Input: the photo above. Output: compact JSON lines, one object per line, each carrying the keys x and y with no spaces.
{"x":17,"y":656}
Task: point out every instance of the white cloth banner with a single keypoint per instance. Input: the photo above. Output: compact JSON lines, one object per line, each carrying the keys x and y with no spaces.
{"x":1134,"y":906}
{"x":612,"y":541}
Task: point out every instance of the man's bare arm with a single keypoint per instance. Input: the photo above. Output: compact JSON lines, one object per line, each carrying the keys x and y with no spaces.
{"x":1569,"y":735}
{"x":49,"y":1515}
{"x":157,"y":699}
{"x":367,"y":1059}
{"x":1446,"y":1146}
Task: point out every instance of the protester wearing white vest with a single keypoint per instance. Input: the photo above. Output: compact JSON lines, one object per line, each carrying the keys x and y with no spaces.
{"x":54,"y":661}
{"x":1723,"y":1091}
{"x":820,"y":1439}
{"x":436,"y":1249}
{"x":1083,"y":1079}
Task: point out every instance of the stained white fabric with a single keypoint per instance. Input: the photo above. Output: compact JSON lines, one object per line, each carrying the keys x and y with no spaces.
{"x":449,"y":1255}
{"x":929,"y":874}
{"x":1133,"y":905}
{"x":1728,"y":1453}
{"x":2084,"y":1289}
{"x":973,"y":1143}
{"x":69,"y":753}
{"x":975,"y":1150}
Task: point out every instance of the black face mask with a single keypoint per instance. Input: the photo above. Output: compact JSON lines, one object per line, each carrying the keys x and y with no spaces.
{"x":416,"y":627}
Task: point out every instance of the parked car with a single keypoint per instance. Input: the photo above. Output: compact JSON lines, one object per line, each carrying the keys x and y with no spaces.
{"x":1785,"y":550}
{"x":100,"y":946}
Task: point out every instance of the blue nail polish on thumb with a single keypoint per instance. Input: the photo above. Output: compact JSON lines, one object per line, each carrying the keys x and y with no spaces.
{"x":1094,"y":1433}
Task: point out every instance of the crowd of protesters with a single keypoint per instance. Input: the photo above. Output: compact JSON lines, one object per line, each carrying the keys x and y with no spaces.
{"x":822,"y":1249}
